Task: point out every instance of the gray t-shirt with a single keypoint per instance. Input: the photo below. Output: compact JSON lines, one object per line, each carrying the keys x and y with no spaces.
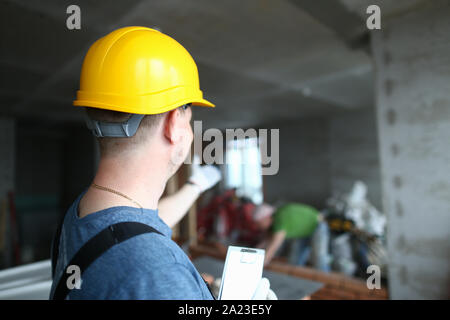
{"x":147,"y":266}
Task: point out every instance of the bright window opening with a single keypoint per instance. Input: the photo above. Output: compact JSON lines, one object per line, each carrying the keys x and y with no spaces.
{"x":243,"y":168}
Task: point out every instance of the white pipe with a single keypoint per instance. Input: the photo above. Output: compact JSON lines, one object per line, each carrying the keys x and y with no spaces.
{"x":30,"y":281}
{"x":37,"y":269}
{"x":35,"y":291}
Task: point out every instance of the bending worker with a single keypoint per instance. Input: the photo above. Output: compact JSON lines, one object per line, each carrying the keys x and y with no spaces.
{"x":297,"y":224}
{"x":137,"y":85}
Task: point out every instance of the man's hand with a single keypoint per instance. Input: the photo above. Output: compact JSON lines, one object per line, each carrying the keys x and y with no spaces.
{"x":263,"y":291}
{"x":204,"y":177}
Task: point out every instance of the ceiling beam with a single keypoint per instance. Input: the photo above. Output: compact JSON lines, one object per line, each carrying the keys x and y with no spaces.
{"x":347,"y":25}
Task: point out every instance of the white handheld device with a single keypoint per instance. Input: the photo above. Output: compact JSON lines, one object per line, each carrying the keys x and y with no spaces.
{"x":242,"y":273}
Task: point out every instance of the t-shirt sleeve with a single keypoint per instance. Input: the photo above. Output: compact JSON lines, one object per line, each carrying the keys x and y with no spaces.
{"x":278,"y":223}
{"x":165,"y":282}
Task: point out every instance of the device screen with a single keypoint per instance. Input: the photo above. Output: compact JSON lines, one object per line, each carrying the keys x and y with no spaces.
{"x":242,"y":273}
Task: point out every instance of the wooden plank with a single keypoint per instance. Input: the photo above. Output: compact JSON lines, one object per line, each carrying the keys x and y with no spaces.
{"x":192,"y":225}
{"x":192,"y":217}
{"x":337,"y":286}
{"x":172,"y":187}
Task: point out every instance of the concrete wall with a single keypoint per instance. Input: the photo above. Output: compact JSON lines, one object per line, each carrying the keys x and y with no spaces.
{"x":38,"y":188}
{"x":7,"y":170}
{"x":39,"y":163}
{"x":53,"y":165}
{"x":413,"y":110}
{"x":354,"y":153}
{"x":7,"y":151}
{"x":79,"y":157}
{"x":304,"y":164}
{"x":322,"y":156}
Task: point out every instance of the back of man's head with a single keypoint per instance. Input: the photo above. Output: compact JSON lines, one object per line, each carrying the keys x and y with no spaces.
{"x":113,"y":146}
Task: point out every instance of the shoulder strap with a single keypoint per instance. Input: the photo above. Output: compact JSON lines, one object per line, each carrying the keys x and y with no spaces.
{"x":95,"y":247}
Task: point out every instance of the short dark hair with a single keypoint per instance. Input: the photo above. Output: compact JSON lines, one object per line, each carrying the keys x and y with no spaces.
{"x":109,"y":145}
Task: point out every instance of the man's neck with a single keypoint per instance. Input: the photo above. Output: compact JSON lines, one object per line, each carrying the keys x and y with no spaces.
{"x":143,"y":184}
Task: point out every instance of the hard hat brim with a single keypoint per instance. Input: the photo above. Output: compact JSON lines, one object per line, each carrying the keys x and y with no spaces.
{"x":121,"y":108}
{"x":142,"y":104}
{"x":203,"y":103}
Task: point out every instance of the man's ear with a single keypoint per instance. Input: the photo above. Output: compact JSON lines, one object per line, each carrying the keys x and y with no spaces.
{"x":171,"y":126}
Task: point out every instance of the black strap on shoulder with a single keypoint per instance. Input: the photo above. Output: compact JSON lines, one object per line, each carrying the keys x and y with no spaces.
{"x":55,"y":245}
{"x":95,"y":247}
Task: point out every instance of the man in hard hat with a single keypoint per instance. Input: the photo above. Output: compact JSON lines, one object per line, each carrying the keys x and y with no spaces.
{"x":137,"y":86}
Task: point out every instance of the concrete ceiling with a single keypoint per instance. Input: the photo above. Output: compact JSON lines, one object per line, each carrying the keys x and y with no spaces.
{"x":259,"y":61}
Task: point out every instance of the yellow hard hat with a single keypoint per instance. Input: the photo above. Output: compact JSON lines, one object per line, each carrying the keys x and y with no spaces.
{"x":139,"y":70}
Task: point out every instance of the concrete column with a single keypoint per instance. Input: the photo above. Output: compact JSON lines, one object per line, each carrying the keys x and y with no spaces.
{"x":354,"y":153}
{"x":7,"y":170}
{"x":412,"y":60}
